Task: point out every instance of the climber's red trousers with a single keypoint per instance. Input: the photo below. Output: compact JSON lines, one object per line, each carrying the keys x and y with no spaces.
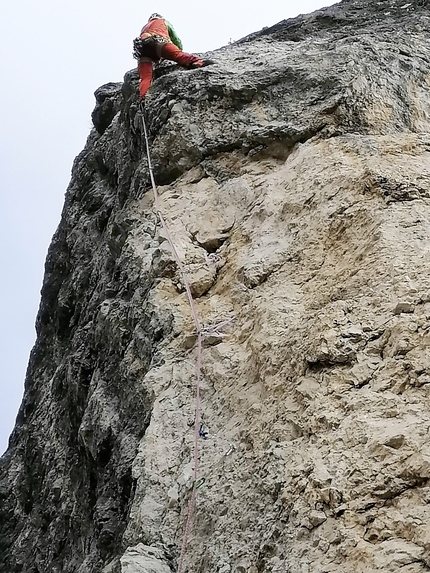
{"x":169,"y":52}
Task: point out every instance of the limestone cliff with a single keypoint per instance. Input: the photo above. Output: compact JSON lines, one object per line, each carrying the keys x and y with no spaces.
{"x":295,"y":177}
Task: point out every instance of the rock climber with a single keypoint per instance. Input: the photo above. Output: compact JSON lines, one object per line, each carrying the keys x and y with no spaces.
{"x":159,"y":40}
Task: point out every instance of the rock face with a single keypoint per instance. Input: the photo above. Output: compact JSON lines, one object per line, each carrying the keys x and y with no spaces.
{"x":295,"y":178}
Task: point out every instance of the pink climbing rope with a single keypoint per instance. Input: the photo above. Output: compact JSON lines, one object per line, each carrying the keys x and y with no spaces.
{"x":192,"y":502}
{"x":198,"y":326}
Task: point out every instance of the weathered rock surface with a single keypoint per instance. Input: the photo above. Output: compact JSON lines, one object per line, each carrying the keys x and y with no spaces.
{"x":295,"y":178}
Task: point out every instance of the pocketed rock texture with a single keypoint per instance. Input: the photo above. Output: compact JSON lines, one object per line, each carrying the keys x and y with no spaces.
{"x":294,"y":175}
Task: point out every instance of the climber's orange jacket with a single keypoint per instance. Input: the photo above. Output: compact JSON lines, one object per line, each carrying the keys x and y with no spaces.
{"x":161,"y":27}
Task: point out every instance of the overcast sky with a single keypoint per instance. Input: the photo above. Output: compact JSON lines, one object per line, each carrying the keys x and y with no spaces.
{"x":54,"y":55}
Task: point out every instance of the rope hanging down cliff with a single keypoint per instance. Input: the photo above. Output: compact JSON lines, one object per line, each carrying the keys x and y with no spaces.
{"x":199,"y":331}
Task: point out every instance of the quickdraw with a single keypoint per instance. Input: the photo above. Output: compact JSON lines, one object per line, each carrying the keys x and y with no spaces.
{"x":199,"y":483}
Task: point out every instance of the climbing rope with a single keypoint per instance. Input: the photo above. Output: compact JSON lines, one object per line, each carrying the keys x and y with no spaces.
{"x":199,"y":331}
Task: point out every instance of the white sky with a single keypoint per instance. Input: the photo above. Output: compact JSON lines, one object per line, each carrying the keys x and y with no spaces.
{"x":54,"y":55}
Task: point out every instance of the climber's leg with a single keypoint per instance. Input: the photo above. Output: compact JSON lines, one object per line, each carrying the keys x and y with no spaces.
{"x":171,"y":52}
{"x":145,"y":74}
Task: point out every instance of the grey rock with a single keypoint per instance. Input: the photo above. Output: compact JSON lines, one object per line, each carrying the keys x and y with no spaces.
{"x":143,"y":559}
{"x":404,"y":307}
{"x":294,"y":174}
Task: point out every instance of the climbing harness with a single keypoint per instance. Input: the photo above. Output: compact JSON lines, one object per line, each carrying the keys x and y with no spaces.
{"x":199,"y":330}
{"x":140,"y":47}
{"x":149,"y":46}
